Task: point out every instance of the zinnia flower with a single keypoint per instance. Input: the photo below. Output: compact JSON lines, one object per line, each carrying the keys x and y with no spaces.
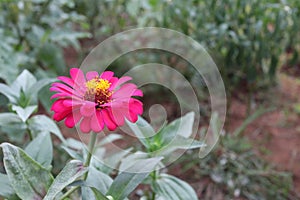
{"x":96,"y":101}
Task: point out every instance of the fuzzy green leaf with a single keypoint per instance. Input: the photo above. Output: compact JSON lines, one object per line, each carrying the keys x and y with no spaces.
{"x":170,"y":187}
{"x":42,"y":123}
{"x":69,"y":174}
{"x":29,"y":179}
{"x":41,"y":150}
{"x":128,"y":180}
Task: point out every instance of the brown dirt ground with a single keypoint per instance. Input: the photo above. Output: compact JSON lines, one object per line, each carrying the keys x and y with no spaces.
{"x":275,"y":135}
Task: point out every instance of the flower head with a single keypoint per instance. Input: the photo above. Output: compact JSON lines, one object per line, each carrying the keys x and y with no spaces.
{"x":95,"y":101}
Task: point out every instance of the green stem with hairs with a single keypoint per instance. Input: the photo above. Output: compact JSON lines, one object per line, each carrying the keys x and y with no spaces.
{"x":91,"y":146}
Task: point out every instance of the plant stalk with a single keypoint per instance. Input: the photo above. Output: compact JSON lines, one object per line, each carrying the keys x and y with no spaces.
{"x":91,"y":146}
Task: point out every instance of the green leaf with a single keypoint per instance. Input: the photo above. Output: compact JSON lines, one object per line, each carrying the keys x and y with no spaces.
{"x":13,"y":125}
{"x":99,"y":180}
{"x":10,"y":119}
{"x":74,"y":148}
{"x":5,"y":187}
{"x":182,"y":126}
{"x":32,"y":93}
{"x":52,"y":56}
{"x":29,"y":179}
{"x":24,"y":113}
{"x":24,"y":81}
{"x":179,"y":142}
{"x":8,"y":63}
{"x":127,"y":181}
{"x":41,"y":150}
{"x":98,"y":195}
{"x":67,"y":37}
{"x":109,"y":139}
{"x":170,"y":187}
{"x":42,"y":123}
{"x":113,"y":161}
{"x":89,"y":192}
{"x":131,"y":159}
{"x":142,"y":130}
{"x":69,"y":174}
{"x":9,"y":93}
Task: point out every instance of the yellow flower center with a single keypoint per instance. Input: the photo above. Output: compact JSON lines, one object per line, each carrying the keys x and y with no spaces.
{"x":98,"y":91}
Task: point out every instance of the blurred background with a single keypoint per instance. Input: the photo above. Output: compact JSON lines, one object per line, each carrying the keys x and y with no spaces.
{"x":255,"y":44}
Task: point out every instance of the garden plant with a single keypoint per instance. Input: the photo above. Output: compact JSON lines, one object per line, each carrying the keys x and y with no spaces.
{"x":76,"y":123}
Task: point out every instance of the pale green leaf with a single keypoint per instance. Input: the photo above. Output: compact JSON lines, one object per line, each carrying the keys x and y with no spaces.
{"x":73,"y":170}
{"x":29,"y":179}
{"x":128,"y":180}
{"x":170,"y":187}
{"x":9,"y":119}
{"x":6,"y":189}
{"x":24,"y":113}
{"x":40,"y":149}
{"x":42,"y":123}
{"x":142,"y":130}
{"x":24,"y":81}
{"x":11,"y":94}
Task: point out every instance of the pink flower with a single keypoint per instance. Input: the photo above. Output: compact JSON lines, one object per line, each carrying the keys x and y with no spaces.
{"x":95,"y":101}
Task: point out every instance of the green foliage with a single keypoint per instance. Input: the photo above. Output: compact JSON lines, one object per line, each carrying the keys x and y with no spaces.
{"x":41,"y":123}
{"x":6,"y":188}
{"x":102,"y":183}
{"x":41,"y":150}
{"x":23,"y":103}
{"x":128,"y":180}
{"x":234,"y":168}
{"x":170,"y":138}
{"x":245,"y":37}
{"x":29,"y":179}
{"x":35,"y":29}
{"x":23,"y":92}
{"x":69,"y":174}
{"x":170,"y":187}
{"x":34,"y":34}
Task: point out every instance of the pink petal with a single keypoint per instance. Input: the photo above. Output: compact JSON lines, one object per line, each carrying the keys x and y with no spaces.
{"x":133,"y":117}
{"x":111,"y":125}
{"x":85,"y":125}
{"x":87,"y":109}
{"x":122,"y":80}
{"x":73,"y":119}
{"x":72,"y":102}
{"x":58,"y":106}
{"x":136,"y":106}
{"x":97,"y":123}
{"x":59,"y":87}
{"x":107,"y":75}
{"x":66,"y":80}
{"x":91,"y":75}
{"x":125,"y":91}
{"x":118,"y":116}
{"x":113,"y":81}
{"x":61,"y":95}
{"x":77,"y":75}
{"x":138,"y":92}
{"x":58,"y":116}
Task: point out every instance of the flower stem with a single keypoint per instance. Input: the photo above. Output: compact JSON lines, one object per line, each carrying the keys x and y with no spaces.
{"x":154,"y":177}
{"x":30,"y":135}
{"x":90,"y":153}
{"x":91,"y":146}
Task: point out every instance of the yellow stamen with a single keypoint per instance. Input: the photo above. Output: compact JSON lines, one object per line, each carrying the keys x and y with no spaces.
{"x":98,"y":91}
{"x":97,"y":84}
